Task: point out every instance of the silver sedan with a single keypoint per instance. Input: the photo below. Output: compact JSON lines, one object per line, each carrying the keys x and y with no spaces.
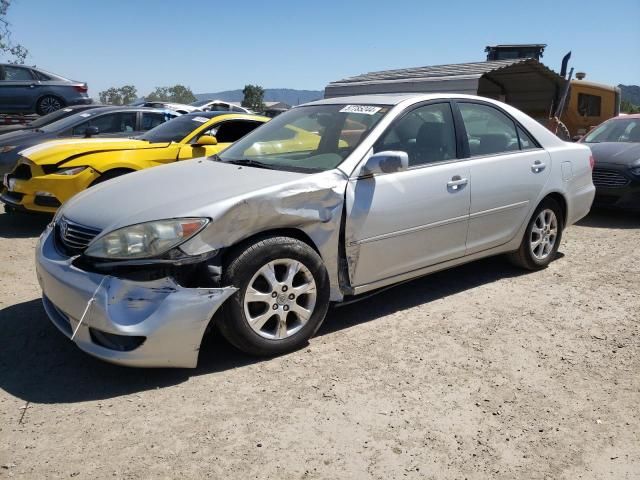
{"x":327,"y":201}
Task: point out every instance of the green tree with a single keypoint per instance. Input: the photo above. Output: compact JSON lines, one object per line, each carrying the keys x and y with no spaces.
{"x":253,"y":98}
{"x":177,"y":93}
{"x":627,"y":107}
{"x":118,"y":96}
{"x":16,"y":52}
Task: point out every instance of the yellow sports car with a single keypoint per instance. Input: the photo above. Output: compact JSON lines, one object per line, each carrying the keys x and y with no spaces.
{"x":48,"y":174}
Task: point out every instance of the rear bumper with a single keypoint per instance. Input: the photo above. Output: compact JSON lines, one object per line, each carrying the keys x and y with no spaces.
{"x":79,"y":101}
{"x":152,"y":324}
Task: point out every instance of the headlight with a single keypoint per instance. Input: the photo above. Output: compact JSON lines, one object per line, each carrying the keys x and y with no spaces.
{"x":636,"y":171}
{"x":145,"y":239}
{"x":70,"y":171}
{"x":8,"y":148}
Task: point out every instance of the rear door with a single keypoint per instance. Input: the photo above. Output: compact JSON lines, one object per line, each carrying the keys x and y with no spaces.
{"x":404,"y":221}
{"x":508,"y":170}
{"x":18,"y":88}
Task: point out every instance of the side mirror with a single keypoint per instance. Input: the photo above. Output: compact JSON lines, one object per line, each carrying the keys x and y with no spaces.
{"x":389,"y":161}
{"x":206,"y":140}
{"x":91,"y":131}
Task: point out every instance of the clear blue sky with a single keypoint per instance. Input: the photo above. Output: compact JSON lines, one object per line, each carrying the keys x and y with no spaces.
{"x":218,"y":45}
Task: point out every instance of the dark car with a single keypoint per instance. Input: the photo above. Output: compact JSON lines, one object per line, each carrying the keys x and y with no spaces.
{"x":102,"y":122}
{"x":615,"y":145}
{"x":47,"y":119}
{"x":27,"y":90}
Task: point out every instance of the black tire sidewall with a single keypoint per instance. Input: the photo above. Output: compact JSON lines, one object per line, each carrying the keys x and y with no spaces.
{"x":239,"y":273}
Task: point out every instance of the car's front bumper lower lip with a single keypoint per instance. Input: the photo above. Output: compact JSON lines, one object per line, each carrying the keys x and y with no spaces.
{"x":168,"y":320}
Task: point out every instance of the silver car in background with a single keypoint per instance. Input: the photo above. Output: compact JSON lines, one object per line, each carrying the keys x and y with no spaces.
{"x":329,"y":200}
{"x":31,"y":90}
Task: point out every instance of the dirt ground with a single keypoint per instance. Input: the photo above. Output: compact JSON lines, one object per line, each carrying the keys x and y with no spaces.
{"x":478,"y":372}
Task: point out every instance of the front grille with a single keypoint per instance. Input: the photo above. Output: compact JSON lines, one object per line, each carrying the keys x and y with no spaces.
{"x":609,"y":178}
{"x":22,"y":172}
{"x":74,"y":237}
{"x":13,"y":196}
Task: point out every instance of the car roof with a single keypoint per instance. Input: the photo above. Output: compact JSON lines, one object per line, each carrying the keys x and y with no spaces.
{"x":216,"y":114}
{"x":625,"y":116}
{"x":124,"y":108}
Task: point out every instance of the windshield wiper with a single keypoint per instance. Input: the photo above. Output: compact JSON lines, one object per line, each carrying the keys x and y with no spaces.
{"x":249,"y":162}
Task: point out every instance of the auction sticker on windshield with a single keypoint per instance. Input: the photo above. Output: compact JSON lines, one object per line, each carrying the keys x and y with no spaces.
{"x":364,"y":109}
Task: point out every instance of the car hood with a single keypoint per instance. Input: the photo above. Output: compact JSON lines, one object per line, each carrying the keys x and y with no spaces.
{"x":11,"y":128}
{"x":21,"y":137}
{"x":621,"y":153}
{"x":56,"y":151}
{"x":244,"y":197}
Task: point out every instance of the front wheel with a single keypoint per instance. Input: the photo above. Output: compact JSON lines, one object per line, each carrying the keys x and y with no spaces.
{"x":282,"y":297}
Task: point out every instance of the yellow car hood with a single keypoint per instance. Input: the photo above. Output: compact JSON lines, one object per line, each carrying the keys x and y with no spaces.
{"x":57,"y":151}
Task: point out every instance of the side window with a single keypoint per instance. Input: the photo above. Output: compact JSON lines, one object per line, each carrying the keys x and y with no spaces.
{"x":16,"y":74}
{"x":526,"y":142}
{"x":589,"y":105}
{"x":426,"y":133}
{"x":124,"y":122}
{"x":153,"y":119}
{"x":489,"y":130}
{"x":41,"y":76}
{"x":232,"y":130}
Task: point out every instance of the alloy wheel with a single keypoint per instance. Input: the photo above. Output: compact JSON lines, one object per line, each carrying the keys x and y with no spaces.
{"x":280,"y":298}
{"x":544,"y":234}
{"x":50,"y":104}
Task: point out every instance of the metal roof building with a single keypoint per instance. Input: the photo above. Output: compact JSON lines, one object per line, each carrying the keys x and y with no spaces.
{"x":524,"y":83}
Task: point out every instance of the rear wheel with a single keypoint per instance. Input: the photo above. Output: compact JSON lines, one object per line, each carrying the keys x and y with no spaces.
{"x":282,"y":297}
{"x":48,"y":104}
{"x":542,"y":237}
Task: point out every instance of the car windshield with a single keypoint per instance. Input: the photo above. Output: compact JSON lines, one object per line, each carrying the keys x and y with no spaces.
{"x":617,"y":130}
{"x":313,"y":138}
{"x":51,"y":117}
{"x":67,"y":122}
{"x":174,"y":130}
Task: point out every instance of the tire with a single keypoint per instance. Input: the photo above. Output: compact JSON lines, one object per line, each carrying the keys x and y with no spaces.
{"x":48,"y":104}
{"x":541,"y":238}
{"x":277,"y":308}
{"x":109,"y":175}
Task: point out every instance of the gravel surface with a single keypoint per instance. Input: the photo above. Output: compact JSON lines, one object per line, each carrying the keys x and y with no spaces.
{"x":482,"y":371}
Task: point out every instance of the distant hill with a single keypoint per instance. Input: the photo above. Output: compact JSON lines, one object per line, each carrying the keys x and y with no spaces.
{"x":286,"y":95}
{"x":630,"y":93}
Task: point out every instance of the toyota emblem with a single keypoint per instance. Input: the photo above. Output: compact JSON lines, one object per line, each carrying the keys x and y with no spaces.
{"x":64,"y":228}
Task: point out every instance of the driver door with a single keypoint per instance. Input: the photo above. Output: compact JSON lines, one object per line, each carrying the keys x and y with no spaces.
{"x":407,"y":220}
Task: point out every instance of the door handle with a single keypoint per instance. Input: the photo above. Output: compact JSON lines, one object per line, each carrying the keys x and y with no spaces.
{"x":538,"y":166}
{"x":33,"y":85}
{"x":457,"y":182}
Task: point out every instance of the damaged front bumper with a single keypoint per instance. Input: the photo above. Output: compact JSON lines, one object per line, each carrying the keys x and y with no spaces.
{"x":154,"y":323}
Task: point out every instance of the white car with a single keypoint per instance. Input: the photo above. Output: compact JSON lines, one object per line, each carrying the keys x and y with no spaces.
{"x":176,"y":107}
{"x":219,"y":106}
{"x":327,"y":201}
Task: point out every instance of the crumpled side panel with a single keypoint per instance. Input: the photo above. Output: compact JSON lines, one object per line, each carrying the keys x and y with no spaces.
{"x":313,"y":205}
